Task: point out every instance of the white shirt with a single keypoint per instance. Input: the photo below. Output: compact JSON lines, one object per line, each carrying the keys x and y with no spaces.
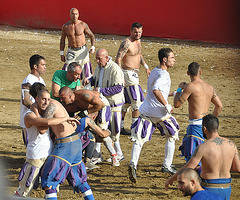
{"x":23,"y":109}
{"x":158,"y":80}
{"x":39,"y":145}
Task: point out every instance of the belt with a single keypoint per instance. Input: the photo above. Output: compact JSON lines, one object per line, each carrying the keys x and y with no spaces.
{"x":68,"y":139}
{"x":215,"y":185}
{"x":77,"y":48}
{"x":132,"y":69}
{"x":195,"y":121}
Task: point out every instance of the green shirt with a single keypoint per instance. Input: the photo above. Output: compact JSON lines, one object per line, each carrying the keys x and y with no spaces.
{"x":60,"y":78}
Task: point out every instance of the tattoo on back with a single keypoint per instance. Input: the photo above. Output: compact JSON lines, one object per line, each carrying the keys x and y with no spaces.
{"x":231,"y":143}
{"x":49,"y":112}
{"x":218,"y":141}
{"x":195,"y":151}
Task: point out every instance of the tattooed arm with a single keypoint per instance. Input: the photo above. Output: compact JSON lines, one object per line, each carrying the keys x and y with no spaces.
{"x":93,"y":100}
{"x":217,"y":102}
{"x":31,"y":119}
{"x":122,"y":51}
{"x":181,"y":97}
{"x":236,"y":159}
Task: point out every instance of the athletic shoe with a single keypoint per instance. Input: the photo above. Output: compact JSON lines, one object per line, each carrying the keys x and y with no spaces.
{"x":90,"y":165}
{"x":98,"y":159}
{"x":124,"y":132}
{"x":120,"y":158}
{"x":132,"y":172}
{"x":115,"y":161}
{"x":171,"y":170}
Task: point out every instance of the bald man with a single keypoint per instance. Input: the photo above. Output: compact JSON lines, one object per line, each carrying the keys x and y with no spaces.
{"x":189,"y":184}
{"x":75,"y":30}
{"x":108,"y":79}
{"x":87,"y":102}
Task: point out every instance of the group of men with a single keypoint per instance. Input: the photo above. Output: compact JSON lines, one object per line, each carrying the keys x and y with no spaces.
{"x":101,"y":111}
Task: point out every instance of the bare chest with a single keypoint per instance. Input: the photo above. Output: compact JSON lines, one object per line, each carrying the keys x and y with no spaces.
{"x":75,"y":30}
{"x":134,"y":49}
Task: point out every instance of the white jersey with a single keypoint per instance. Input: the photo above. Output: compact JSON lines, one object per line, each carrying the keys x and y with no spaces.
{"x":39,"y":145}
{"x":23,"y":109}
{"x":158,"y":80}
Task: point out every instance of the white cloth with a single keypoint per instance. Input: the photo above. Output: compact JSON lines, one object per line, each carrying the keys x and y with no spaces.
{"x":23,"y":109}
{"x":101,"y":77}
{"x":39,"y":145}
{"x":158,"y":80}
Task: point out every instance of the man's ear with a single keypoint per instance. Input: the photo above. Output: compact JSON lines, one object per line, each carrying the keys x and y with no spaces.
{"x":35,"y":66}
{"x":204,"y":129}
{"x":193,"y":182}
{"x":188,"y":73}
{"x":164,"y":59}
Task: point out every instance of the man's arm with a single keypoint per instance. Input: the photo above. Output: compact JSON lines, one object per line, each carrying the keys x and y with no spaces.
{"x":62,"y":44}
{"x":236,"y":161}
{"x":90,"y":34}
{"x":217,"y":102}
{"x":55,"y":89}
{"x":192,"y":163}
{"x":142,"y":62}
{"x":181,"y":96}
{"x":96,"y":102}
{"x":32,"y":120}
{"x":26,"y":95}
{"x":96,"y":129}
{"x":122,"y":51}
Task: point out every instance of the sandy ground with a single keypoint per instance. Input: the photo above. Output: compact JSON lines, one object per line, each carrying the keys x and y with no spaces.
{"x":220,"y":66}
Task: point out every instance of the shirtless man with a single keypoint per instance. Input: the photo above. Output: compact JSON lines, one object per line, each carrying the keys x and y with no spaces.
{"x":218,"y":156}
{"x":75,"y":31}
{"x":199,"y":95}
{"x":87,"y":102}
{"x":130,"y":53}
{"x":60,"y":165}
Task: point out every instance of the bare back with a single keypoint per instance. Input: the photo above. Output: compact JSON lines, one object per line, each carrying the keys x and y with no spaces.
{"x":200,"y":99}
{"x":132,"y":57}
{"x":75,"y":33}
{"x":86,"y":100}
{"x":217,"y":158}
{"x":64,"y":129}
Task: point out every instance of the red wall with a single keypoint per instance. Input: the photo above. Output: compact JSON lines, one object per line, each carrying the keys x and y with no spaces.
{"x":205,"y":20}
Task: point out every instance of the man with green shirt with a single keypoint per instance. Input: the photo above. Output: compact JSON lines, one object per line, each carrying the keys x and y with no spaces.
{"x":68,"y":78}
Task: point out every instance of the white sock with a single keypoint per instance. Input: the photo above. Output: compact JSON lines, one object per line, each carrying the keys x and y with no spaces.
{"x":169,"y":152}
{"x":134,"y":119}
{"x":136,"y":150}
{"x":97,"y":149}
{"x":118,"y":148}
{"x":107,"y":141}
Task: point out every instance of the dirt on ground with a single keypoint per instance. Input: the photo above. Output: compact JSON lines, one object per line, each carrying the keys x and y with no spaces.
{"x":220,"y":67}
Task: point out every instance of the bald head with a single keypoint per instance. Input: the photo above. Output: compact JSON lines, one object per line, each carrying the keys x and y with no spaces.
{"x":73,"y":9}
{"x":189,"y":174}
{"x":102,"y":57}
{"x":102,"y":52}
{"x":65,"y":90}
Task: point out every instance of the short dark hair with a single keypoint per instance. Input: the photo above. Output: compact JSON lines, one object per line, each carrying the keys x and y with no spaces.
{"x":193,"y":69}
{"x":136,"y":25}
{"x":34,"y":60}
{"x":72,"y":67}
{"x":40,"y":93}
{"x":162,"y":53}
{"x":35,"y":88}
{"x":211,"y":123}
